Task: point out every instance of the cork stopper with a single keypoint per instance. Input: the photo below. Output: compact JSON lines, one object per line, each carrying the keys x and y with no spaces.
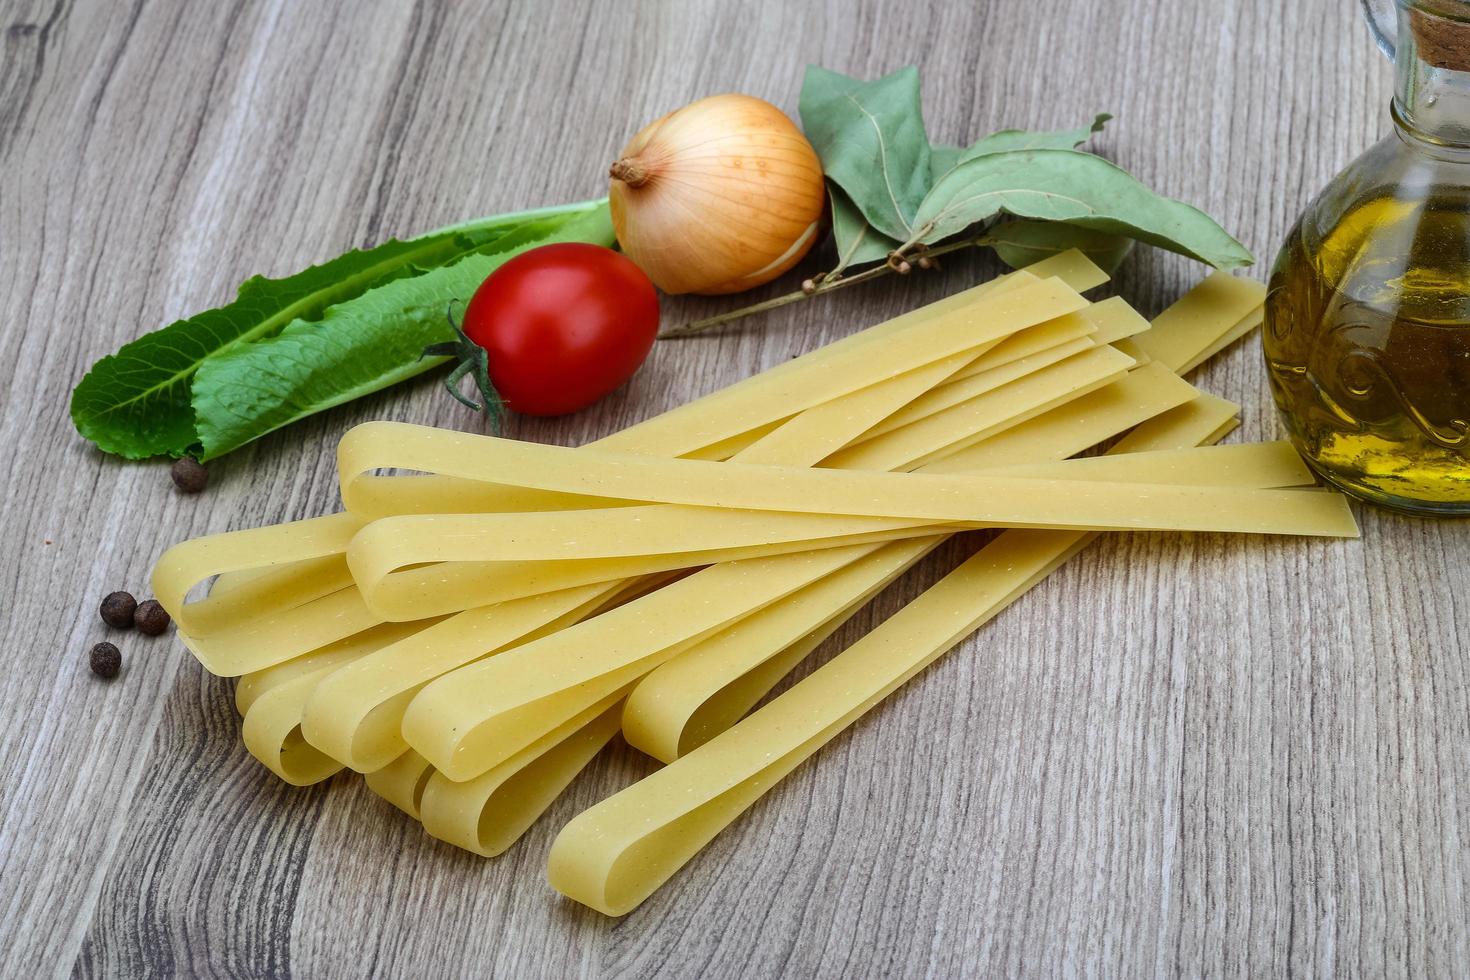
{"x":1441,"y":38}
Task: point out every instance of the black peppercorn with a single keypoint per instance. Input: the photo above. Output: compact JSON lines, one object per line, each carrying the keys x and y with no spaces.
{"x":118,"y":609}
{"x":189,"y":475}
{"x":106,"y":660}
{"x":150,"y":618}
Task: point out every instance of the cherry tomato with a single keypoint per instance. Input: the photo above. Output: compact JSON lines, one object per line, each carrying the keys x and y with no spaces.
{"x":563,"y":325}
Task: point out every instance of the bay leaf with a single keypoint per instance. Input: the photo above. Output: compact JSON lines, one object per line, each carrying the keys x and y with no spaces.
{"x":870,"y":137}
{"x":857,"y":242}
{"x":943,"y":159}
{"x":1021,"y":243}
{"x":1074,"y":188}
{"x":1021,"y":139}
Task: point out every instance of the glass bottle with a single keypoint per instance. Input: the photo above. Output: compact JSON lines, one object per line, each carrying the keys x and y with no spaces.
{"x":1367,"y":336}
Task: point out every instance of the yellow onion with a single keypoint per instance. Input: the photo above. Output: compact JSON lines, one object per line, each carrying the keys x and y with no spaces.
{"x":719,"y":196}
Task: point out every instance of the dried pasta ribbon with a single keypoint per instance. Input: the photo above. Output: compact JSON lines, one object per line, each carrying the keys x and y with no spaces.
{"x":272,"y":701}
{"x":420,"y":590}
{"x":1185,"y":334}
{"x":1099,"y":325}
{"x":402,"y":781}
{"x":705,"y":689}
{"x":489,"y":813}
{"x":893,"y":392}
{"x":977,"y":418}
{"x":240,"y":595}
{"x":1214,"y":424}
{"x":809,"y":437}
{"x":445,"y":588}
{"x":661,"y":706}
{"x":471,"y":720}
{"x":294,"y":562}
{"x":614,"y":855}
{"x":824,"y":427}
{"x":941,"y":498}
{"x":355,"y":715}
{"x":1069,"y":429}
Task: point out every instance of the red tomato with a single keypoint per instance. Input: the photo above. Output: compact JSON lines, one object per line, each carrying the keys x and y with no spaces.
{"x":563,"y":325}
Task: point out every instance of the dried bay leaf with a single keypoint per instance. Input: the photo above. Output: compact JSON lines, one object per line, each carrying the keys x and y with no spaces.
{"x":1022,"y":243}
{"x":856,"y":241}
{"x":871,"y":139}
{"x":1073,"y":188}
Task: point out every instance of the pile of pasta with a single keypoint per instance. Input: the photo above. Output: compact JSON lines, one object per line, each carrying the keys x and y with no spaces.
{"x":485,"y":615}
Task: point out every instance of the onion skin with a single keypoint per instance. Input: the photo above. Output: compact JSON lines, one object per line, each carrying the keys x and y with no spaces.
{"x":717,"y":197}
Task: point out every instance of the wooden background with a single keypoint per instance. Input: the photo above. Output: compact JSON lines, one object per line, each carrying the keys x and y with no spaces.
{"x":1180,"y":755}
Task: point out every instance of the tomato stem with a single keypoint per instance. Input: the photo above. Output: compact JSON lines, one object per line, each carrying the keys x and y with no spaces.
{"x":474,"y":361}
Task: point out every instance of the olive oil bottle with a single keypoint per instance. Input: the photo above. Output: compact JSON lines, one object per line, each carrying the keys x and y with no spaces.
{"x":1367,"y":335}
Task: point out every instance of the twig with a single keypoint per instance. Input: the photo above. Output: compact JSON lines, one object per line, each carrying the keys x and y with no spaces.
{"x":897,"y":262}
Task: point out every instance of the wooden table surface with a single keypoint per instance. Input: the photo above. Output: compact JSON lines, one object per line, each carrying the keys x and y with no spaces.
{"x":1179,"y":755}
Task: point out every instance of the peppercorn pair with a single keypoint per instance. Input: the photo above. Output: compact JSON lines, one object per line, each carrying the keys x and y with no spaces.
{"x":121,"y":611}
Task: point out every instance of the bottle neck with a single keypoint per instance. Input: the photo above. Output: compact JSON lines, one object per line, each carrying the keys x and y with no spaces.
{"x":1431,"y":100}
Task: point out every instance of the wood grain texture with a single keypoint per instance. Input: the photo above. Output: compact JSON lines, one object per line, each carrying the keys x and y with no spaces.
{"x":1180,"y":755}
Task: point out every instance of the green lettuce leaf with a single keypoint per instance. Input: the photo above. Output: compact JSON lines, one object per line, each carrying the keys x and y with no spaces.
{"x":360,"y":346}
{"x":138,"y":402}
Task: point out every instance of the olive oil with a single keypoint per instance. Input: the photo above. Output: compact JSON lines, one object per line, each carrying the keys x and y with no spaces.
{"x":1368,"y":346}
{"x":1367,"y":337}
